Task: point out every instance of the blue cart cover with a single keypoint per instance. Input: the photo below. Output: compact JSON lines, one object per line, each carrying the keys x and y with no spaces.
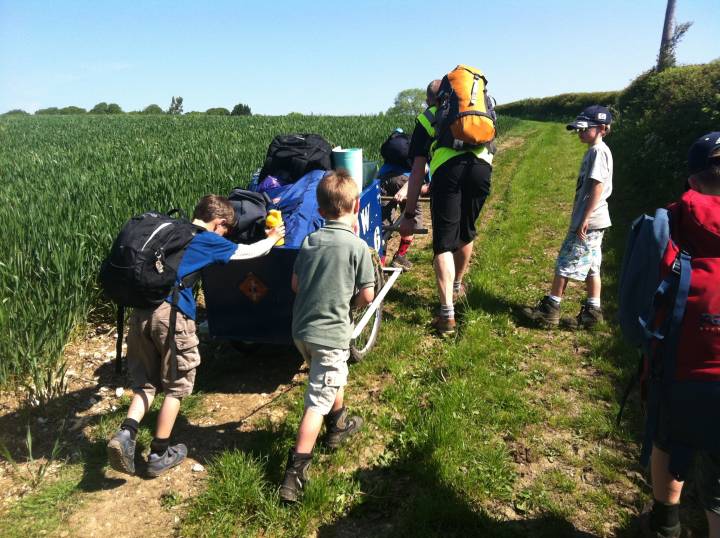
{"x":298,"y":204}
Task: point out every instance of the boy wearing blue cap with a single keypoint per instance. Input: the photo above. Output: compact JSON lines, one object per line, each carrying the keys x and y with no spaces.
{"x":580,"y":255}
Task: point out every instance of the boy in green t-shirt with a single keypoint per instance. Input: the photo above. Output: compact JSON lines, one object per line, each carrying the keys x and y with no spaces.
{"x":333,"y":271}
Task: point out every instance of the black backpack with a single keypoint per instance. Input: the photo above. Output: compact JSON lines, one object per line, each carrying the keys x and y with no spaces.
{"x":141,"y":269}
{"x":396,"y":150}
{"x":290,"y":157}
{"x":250,"y":214}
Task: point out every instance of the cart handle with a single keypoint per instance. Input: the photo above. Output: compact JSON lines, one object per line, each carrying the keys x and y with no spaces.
{"x":395,"y":273}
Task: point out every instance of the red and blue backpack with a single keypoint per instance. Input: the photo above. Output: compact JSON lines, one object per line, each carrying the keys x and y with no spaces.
{"x":670,"y":308}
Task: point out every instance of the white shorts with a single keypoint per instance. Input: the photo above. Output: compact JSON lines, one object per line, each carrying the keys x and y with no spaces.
{"x":579,"y":259}
{"x":328,"y":372}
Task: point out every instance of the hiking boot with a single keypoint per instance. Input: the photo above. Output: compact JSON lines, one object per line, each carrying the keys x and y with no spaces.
{"x":339,"y":427}
{"x":443,"y":326}
{"x":646,"y":528}
{"x":589,"y":316}
{"x":121,"y":452}
{"x":401,"y":262}
{"x":158,"y":464}
{"x":296,"y":476}
{"x":545,"y":314}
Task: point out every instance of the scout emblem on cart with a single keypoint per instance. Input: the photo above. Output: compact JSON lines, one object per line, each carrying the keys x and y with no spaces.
{"x":253,"y":288}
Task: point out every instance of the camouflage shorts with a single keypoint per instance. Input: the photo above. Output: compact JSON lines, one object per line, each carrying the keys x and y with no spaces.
{"x":577,"y":258}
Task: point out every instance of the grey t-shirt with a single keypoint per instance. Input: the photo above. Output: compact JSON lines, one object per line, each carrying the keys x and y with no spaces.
{"x":332,"y":264}
{"x":597,"y":164}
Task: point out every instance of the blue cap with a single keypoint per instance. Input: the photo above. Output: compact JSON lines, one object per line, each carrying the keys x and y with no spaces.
{"x":703,"y":150}
{"x":592,"y":116}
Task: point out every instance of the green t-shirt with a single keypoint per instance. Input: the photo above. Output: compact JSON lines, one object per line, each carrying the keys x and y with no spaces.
{"x":332,"y":264}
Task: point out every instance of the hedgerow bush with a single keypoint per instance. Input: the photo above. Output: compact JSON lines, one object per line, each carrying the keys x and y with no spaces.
{"x":658,"y":116}
{"x":563,"y":107}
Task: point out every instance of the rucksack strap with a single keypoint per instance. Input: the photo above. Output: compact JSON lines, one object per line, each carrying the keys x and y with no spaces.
{"x":118,"y":344}
{"x":188,"y":281}
{"x":659,"y":385}
{"x":631,"y":384}
{"x":172,"y":344}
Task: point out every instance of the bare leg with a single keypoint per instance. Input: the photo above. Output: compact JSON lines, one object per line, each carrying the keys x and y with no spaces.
{"x":593,"y":285}
{"x":339,"y":399}
{"x":444,"y":265}
{"x":461,"y":257}
{"x":713,"y":524}
{"x":140,"y":404}
{"x":166,"y":419}
{"x":308,"y":432}
{"x":665,"y":488}
{"x":558,"y":286}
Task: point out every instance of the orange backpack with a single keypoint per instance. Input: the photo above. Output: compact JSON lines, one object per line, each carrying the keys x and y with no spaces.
{"x":466,"y":113}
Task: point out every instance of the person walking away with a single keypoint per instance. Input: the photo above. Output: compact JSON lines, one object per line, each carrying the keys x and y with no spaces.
{"x":461,"y":176}
{"x":333,"y":272}
{"x":393,"y":176}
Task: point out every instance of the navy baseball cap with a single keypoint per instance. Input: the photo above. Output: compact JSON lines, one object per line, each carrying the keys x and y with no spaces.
{"x":592,"y":116}
{"x":703,"y":150}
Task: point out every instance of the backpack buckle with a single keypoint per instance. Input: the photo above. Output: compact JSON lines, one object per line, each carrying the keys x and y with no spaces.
{"x":676,"y":266}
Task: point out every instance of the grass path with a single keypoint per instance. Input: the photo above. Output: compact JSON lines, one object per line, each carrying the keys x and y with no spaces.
{"x":504,"y":430}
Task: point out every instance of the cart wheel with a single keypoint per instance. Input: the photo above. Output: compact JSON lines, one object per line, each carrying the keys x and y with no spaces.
{"x":365,"y":341}
{"x":245,"y":347}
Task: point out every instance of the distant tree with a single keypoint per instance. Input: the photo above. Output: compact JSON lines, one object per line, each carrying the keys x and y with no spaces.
{"x":218,"y":111}
{"x":176,"y":106}
{"x":409,"y":102}
{"x":48,"y":111}
{"x":100,"y":108}
{"x":671,"y":36}
{"x":241,"y":110}
{"x":153,"y":109}
{"x":114,"y":108}
{"x":16,"y":112}
{"x":72,"y":110}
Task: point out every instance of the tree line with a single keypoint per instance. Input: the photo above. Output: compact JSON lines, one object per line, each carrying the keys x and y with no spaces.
{"x":175,"y":108}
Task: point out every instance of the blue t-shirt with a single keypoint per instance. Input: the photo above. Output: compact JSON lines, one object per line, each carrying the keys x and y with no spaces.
{"x":205,"y":248}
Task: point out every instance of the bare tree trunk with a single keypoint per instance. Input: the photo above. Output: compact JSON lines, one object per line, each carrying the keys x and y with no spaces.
{"x":667,"y":34}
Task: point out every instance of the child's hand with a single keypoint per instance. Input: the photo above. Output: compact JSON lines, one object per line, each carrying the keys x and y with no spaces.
{"x":582,"y":230}
{"x":277,"y":233}
{"x":401,"y":195}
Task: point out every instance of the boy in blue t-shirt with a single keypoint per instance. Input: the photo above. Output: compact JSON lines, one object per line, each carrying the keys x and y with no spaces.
{"x":147,"y":355}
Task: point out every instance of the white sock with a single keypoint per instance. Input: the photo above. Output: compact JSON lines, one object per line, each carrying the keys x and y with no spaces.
{"x":447,"y":311}
{"x":456,"y":285}
{"x":594,"y":302}
{"x":555,"y":298}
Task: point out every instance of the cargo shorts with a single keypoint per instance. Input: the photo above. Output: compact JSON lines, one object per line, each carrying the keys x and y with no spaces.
{"x":148,"y":354}
{"x":328,"y":373}
{"x":579,"y":259}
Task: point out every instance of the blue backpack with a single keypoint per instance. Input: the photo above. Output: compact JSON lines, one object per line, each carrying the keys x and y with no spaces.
{"x":640,"y":274}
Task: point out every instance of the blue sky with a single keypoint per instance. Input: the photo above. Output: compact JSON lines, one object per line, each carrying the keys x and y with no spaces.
{"x":325,"y":57}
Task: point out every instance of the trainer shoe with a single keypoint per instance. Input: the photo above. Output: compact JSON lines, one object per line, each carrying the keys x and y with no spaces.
{"x":339,"y":427}
{"x":158,"y":464}
{"x":443,"y":326}
{"x":401,"y":262}
{"x":121,"y":452}
{"x":545,"y":314}
{"x":296,"y":476}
